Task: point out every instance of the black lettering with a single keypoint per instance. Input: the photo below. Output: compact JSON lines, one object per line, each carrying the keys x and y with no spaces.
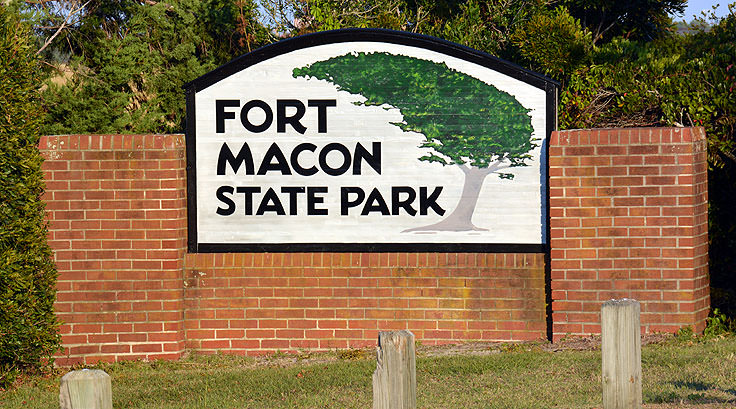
{"x":397,"y":203}
{"x":372,"y":159}
{"x":379,"y":206}
{"x":322,"y":105}
{"x":224,"y":199}
{"x":282,"y":119}
{"x":248,"y":199}
{"x":425,"y":202}
{"x":246,"y":122}
{"x":226,"y":157}
{"x":270,"y":197}
{"x":331,"y":147}
{"x":293,"y":191}
{"x":345,"y":202}
{"x":295,"y":159}
{"x":221,"y":115}
{"x":313,"y":200}
{"x":267,"y":165}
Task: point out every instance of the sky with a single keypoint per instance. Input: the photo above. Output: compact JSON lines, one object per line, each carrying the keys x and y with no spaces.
{"x":694,"y":7}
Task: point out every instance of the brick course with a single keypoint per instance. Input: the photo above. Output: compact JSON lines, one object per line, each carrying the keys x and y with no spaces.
{"x":628,"y":219}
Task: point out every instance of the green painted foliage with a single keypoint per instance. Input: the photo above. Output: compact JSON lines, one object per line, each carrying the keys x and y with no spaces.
{"x":28,"y":326}
{"x":463,"y":119}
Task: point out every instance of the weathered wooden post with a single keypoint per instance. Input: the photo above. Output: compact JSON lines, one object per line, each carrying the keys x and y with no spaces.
{"x":85,"y":389}
{"x":395,"y":377}
{"x":621,"y":350}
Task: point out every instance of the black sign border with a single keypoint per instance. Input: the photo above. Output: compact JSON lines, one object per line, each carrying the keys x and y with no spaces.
{"x":548,"y":85}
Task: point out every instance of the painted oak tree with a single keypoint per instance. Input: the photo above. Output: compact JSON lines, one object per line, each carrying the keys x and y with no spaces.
{"x":465,"y":121}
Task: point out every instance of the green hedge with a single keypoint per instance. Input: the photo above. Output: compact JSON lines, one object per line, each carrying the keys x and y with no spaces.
{"x":28,"y":327}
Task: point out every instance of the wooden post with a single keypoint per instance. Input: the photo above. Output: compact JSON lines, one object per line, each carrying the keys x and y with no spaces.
{"x":395,"y":377}
{"x":621,"y":350}
{"x":85,"y":389}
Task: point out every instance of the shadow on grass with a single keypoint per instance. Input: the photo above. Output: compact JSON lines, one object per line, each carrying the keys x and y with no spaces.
{"x":698,"y":386}
{"x":695,"y":392}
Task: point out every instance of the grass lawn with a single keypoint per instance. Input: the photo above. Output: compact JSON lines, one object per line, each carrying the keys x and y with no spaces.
{"x":676,"y":374}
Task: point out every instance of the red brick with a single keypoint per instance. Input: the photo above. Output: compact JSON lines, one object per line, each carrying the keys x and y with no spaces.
{"x":147,"y":348}
{"x":333,"y":343}
{"x":579,"y":151}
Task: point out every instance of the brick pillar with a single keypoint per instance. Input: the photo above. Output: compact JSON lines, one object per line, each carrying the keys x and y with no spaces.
{"x":629,"y":219}
{"x":117,"y":211}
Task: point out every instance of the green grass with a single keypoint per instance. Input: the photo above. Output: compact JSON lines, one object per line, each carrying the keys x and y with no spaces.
{"x":702,"y":371}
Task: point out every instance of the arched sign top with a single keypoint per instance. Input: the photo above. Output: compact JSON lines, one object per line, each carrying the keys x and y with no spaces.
{"x":372,"y":35}
{"x":368,"y":140}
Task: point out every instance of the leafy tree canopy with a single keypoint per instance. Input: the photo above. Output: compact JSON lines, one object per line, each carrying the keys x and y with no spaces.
{"x":462,"y":118}
{"x":634,"y":19}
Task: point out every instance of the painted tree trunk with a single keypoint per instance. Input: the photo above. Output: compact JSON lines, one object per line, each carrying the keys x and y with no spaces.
{"x":461,"y":218}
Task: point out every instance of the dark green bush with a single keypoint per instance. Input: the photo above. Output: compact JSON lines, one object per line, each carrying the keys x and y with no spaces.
{"x":28,"y":326}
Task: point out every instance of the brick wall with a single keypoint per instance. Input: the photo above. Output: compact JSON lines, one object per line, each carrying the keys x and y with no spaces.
{"x":257,"y":303}
{"x":629,"y":219}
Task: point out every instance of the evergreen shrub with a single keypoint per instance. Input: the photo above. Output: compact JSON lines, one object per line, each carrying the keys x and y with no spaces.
{"x":28,"y":327}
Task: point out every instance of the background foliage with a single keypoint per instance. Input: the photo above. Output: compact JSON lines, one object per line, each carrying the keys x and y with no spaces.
{"x":128,"y":60}
{"x":28,"y":326}
{"x":118,"y":66}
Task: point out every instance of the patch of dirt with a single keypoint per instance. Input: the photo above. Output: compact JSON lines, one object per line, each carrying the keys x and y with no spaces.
{"x":683,"y":405}
{"x":570,"y":344}
{"x":468,"y":348}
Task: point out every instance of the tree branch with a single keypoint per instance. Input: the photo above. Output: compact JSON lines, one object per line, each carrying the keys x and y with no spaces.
{"x":729,"y":155}
{"x":63,"y":25}
{"x":499,"y":165}
{"x":464,"y":168}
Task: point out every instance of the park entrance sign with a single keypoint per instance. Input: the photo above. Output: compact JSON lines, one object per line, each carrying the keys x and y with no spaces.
{"x":368,"y":140}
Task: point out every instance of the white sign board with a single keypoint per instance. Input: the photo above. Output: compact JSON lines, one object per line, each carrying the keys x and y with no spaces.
{"x":368,"y":140}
